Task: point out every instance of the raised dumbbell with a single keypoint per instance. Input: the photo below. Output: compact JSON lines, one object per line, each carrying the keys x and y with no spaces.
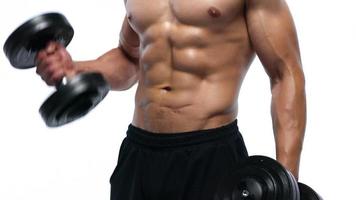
{"x":74,"y":97}
{"x":263,"y":178}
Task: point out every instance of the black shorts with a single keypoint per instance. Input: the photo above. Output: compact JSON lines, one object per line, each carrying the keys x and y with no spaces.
{"x":181,"y":166}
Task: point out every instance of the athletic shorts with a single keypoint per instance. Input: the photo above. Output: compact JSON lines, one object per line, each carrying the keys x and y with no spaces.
{"x":179,"y":166}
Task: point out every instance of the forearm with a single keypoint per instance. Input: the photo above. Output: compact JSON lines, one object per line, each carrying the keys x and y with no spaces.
{"x":115,"y":65}
{"x":289,"y":118}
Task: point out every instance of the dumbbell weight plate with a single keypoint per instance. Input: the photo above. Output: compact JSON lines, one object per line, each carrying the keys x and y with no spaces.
{"x":74,"y":99}
{"x":259,"y":178}
{"x":23,"y":44}
{"x":307,"y":193}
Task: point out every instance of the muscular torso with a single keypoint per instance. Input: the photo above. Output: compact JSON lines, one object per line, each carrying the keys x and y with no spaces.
{"x":193,"y":58}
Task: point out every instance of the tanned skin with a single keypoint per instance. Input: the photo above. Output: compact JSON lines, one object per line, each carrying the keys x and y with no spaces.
{"x":189,"y":60}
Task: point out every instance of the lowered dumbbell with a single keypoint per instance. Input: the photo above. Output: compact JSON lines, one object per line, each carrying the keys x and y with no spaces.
{"x":263,"y":178}
{"x":307,"y":193}
{"x":74,"y":97}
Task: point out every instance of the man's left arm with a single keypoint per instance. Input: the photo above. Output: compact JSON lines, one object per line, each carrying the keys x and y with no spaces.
{"x":273,"y":36}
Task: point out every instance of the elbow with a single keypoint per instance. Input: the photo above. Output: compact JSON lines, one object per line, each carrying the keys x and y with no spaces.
{"x":287,"y":71}
{"x":124,"y":79}
{"x":126,"y":85}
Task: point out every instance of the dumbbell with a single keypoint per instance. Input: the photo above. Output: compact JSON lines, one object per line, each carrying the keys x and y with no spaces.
{"x":263,"y":178}
{"x":307,"y":193}
{"x":73,"y":97}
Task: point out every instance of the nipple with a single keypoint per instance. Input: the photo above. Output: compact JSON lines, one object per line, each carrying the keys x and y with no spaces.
{"x":214,"y":12}
{"x":129,"y":17}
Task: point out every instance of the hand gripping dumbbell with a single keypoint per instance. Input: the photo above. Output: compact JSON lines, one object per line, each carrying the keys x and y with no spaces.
{"x":73,"y":97}
{"x":263,"y":178}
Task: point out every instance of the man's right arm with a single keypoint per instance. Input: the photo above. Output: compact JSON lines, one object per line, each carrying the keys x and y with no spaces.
{"x":119,"y":66}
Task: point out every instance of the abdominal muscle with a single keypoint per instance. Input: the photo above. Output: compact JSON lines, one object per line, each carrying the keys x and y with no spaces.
{"x":186,"y":101}
{"x":167,"y":109}
{"x":189,"y":78}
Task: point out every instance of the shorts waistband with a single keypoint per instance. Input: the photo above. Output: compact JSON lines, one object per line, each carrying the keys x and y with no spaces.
{"x":163,"y":140}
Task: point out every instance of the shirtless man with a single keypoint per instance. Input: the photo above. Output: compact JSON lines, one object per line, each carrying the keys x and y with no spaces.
{"x":189,"y":59}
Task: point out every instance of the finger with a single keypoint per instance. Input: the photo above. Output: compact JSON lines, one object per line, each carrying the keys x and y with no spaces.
{"x":51,"y":47}
{"x":64,"y":55}
{"x":41,"y":55}
{"x":47,"y":61}
{"x":55,"y":78}
{"x":67,"y":62}
{"x":51,"y":76}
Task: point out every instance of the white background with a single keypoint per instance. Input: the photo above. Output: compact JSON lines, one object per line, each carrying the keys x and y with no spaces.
{"x":75,"y":162}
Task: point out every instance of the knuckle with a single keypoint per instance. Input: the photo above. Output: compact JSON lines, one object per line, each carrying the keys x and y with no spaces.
{"x":64,"y":54}
{"x":45,"y":78}
{"x":50,"y":72}
{"x":49,"y":83}
{"x":57,"y":76}
{"x":40,"y":54}
{"x":40,"y":69}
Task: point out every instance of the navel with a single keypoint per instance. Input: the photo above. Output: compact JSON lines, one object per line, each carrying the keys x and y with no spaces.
{"x":214,"y":12}
{"x":167,"y":89}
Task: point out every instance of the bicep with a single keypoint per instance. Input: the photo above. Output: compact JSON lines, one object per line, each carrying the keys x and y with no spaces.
{"x":129,"y":40}
{"x":273,"y":35}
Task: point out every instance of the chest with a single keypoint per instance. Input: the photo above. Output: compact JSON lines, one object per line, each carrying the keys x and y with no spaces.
{"x":145,"y":13}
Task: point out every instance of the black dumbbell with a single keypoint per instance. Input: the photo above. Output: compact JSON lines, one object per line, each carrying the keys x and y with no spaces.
{"x":263,"y":178}
{"x":74,"y":97}
{"x":307,"y":193}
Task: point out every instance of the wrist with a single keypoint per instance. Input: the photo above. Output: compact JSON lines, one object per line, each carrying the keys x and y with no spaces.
{"x":290,"y":162}
{"x":83,"y":66}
